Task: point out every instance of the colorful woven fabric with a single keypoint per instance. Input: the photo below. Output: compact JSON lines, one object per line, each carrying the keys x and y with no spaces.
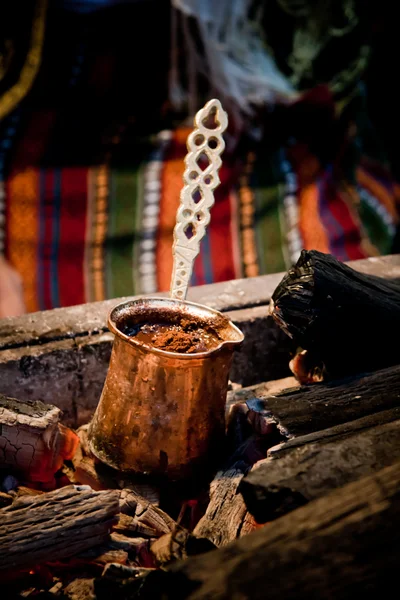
{"x":91,"y":170}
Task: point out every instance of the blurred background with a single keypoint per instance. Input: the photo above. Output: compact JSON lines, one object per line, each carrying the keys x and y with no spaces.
{"x":97,"y":98}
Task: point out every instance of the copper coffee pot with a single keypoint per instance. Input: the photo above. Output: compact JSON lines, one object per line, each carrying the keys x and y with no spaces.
{"x":162,"y":411}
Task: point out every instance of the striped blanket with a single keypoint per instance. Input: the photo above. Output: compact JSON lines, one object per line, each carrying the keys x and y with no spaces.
{"x":88,"y":196}
{"x":86,"y":233}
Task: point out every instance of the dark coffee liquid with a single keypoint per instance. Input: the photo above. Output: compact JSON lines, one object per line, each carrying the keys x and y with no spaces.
{"x":184,"y":337}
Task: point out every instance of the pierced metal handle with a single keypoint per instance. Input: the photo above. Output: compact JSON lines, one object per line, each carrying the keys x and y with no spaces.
{"x":205,"y":145}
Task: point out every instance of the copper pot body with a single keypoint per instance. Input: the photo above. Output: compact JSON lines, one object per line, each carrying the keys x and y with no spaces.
{"x":163,"y":412}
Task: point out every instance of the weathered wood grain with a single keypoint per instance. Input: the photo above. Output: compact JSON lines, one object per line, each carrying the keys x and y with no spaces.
{"x":308,"y":467}
{"x":338,"y":546}
{"x":144,"y":513}
{"x":341,"y":318}
{"x":55,"y":525}
{"x":302,"y":410}
{"x":227,"y":517}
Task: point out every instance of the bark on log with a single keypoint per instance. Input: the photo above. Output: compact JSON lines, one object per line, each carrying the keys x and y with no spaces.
{"x":32,"y":441}
{"x":335,"y":547}
{"x":309,"y":467}
{"x":306,"y":409}
{"x":341,"y":317}
{"x":54,"y":525}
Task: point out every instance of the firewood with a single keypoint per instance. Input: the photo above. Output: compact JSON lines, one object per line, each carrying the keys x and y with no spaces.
{"x":54,"y":525}
{"x":226,"y":517}
{"x":139,"y":549}
{"x":145,"y":513}
{"x":341,"y":317}
{"x":117,"y":548}
{"x":142,"y":487}
{"x":32,"y":441}
{"x":338,"y":546}
{"x":119,"y":541}
{"x":310,"y":466}
{"x":178,"y":545}
{"x":306,"y":409}
{"x":130,"y":525}
{"x":80,"y":589}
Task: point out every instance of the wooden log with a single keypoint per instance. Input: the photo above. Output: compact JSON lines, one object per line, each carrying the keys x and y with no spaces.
{"x":80,"y":589}
{"x":306,"y":409}
{"x":178,"y":545}
{"x":116,"y":548}
{"x":144,"y":513}
{"x":226,"y":517}
{"x":132,"y":526}
{"x":33,"y":443}
{"x":139,"y":549}
{"x":345,"y":543}
{"x":342,"y":318}
{"x":54,"y":525}
{"x":309,"y":467}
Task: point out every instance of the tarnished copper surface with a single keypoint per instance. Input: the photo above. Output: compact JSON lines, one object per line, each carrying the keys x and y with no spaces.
{"x":163,"y":412}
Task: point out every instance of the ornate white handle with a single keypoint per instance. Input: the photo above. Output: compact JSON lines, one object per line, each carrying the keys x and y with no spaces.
{"x":205,"y":145}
